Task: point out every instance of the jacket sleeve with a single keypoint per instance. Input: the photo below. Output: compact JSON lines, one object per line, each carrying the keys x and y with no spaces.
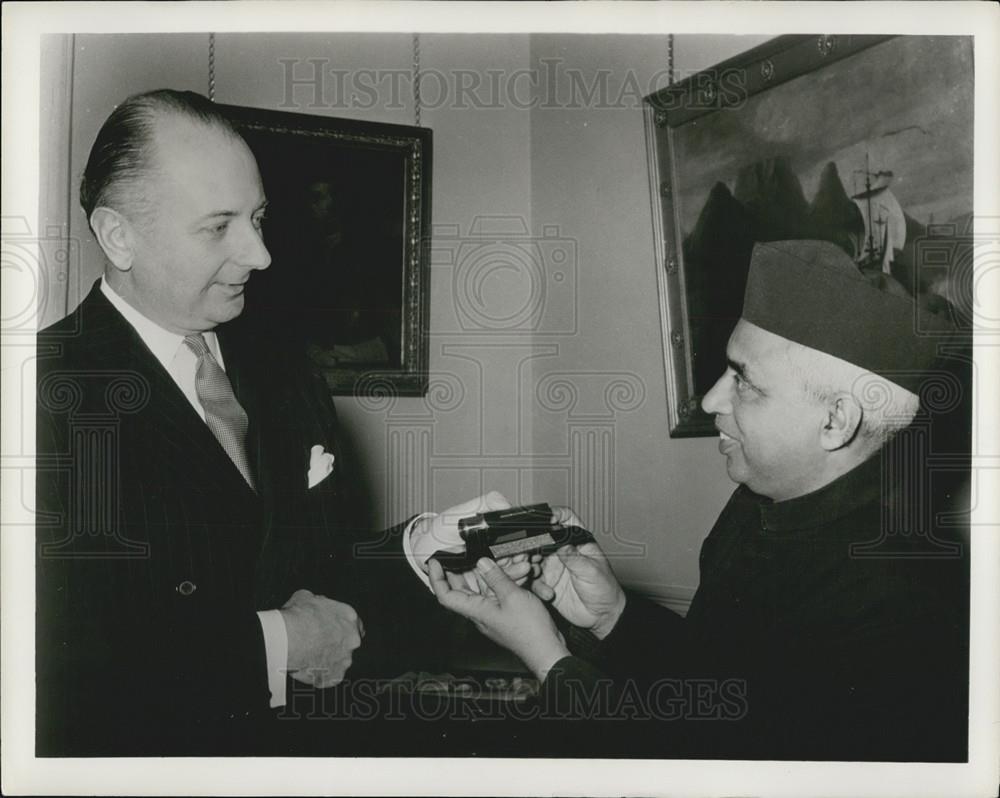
{"x":649,"y":641}
{"x":574,"y":689}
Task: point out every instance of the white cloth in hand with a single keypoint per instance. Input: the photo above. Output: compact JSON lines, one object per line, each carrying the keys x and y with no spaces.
{"x":441,"y":531}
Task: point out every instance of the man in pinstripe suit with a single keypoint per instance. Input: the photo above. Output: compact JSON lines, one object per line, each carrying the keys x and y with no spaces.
{"x":188,"y":492}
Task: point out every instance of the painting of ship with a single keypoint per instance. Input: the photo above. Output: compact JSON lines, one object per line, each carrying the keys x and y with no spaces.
{"x":885,"y":224}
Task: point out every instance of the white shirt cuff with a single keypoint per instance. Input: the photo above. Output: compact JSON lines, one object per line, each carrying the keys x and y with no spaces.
{"x":408,"y":549}
{"x":276,"y":650}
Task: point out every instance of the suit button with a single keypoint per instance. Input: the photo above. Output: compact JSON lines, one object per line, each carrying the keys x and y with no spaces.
{"x":186,"y":588}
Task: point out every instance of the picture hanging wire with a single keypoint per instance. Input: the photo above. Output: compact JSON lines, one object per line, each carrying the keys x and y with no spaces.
{"x":670,"y":59}
{"x":416,"y":72}
{"x":416,"y":79}
{"x":211,"y":67}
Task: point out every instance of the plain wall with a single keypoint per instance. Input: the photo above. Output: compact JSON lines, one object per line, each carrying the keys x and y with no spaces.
{"x":657,"y":497}
{"x":543,"y":281}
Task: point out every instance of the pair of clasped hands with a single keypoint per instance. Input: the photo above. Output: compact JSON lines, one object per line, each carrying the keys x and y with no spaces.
{"x":504,"y":599}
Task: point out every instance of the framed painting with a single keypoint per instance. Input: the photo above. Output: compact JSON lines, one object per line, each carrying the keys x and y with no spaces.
{"x":865,"y":141}
{"x":348,"y":221}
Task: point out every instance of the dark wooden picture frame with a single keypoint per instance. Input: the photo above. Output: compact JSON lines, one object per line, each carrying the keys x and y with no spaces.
{"x":801,"y":138}
{"x":348,"y":227}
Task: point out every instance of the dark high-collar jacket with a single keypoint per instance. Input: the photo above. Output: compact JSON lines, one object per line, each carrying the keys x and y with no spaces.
{"x":831,"y":626}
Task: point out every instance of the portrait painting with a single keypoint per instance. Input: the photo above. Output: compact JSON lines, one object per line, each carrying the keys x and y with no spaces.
{"x":348,"y":210}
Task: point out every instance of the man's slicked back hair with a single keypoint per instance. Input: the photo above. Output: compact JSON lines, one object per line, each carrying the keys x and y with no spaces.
{"x":122,"y":152}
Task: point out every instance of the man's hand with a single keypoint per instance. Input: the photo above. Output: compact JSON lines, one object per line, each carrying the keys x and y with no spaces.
{"x":322,"y":633}
{"x":579,"y":582}
{"x":441,"y":532}
{"x":504,"y":612}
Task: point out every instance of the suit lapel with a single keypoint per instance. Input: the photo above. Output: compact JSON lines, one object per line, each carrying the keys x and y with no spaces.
{"x":250,"y":385}
{"x":116,"y":343}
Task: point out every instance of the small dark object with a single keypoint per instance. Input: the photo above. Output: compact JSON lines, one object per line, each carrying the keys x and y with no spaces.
{"x":504,"y":533}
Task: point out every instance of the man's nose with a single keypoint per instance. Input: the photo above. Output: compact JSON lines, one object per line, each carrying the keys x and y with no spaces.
{"x":253,"y":254}
{"x":717,"y":400}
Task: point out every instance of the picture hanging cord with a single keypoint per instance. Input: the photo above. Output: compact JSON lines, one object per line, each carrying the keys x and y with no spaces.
{"x":211,"y":67}
{"x":670,"y":59}
{"x":416,"y":79}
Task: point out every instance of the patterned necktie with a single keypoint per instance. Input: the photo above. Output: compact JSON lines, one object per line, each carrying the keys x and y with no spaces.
{"x":223,"y":413}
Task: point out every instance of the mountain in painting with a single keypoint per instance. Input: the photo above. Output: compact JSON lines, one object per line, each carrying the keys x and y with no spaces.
{"x":716,"y":260}
{"x":772,"y":195}
{"x":833,"y":216}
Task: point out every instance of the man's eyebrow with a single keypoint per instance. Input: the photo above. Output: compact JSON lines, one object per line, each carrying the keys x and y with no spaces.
{"x":217,"y":215}
{"x":741,"y":369}
{"x":220,"y":214}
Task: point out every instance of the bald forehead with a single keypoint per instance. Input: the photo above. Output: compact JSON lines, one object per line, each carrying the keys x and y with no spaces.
{"x":189,"y":156}
{"x":176,"y":136}
{"x":195,"y":170}
{"x":788,"y":366}
{"x":762,"y":358}
{"x":756,"y":346}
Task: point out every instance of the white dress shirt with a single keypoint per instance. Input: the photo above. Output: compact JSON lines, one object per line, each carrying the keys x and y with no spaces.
{"x":181,"y":363}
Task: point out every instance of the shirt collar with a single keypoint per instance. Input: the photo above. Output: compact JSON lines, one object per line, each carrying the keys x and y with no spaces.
{"x":860,"y":486}
{"x":161,"y":342}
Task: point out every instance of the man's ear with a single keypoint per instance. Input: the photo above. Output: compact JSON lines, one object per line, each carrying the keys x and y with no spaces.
{"x":841,"y":422}
{"x":114,"y":233}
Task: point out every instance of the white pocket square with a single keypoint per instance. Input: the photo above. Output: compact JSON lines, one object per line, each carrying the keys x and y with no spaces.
{"x":320,"y":465}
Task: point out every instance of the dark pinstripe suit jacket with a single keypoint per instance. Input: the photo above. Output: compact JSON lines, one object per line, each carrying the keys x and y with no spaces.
{"x":153,"y":553}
